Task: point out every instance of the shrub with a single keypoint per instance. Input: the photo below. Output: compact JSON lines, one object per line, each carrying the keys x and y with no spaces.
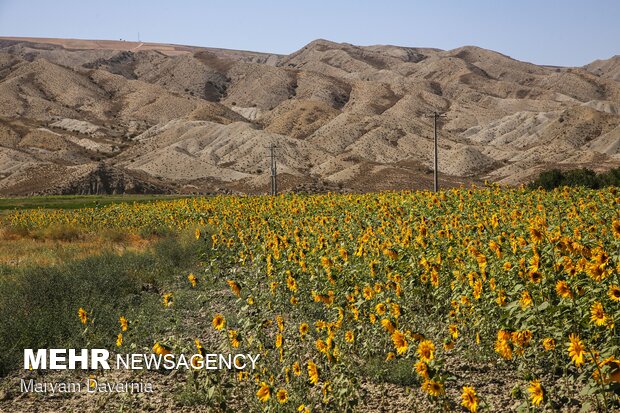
{"x":577,"y":177}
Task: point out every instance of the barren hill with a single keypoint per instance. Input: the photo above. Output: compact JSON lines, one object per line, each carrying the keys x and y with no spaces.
{"x":84,"y":116}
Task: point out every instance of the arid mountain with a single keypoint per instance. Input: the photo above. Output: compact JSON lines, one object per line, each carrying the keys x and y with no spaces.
{"x":80,"y":116}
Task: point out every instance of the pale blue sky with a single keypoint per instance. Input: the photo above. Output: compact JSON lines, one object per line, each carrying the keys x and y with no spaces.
{"x":555,"y":32}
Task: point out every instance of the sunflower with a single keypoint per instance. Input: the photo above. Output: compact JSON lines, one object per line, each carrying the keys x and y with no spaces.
{"x":167,"y":299}
{"x":197,"y":233}
{"x":399,"y":341}
{"x":576,"y":350}
{"x":454,"y":331}
{"x":501,"y":298}
{"x":526,"y":300}
{"x":219,"y":322}
{"x":160,"y":349}
{"x":264,"y":392}
{"x":192,"y":279}
{"x":549,"y":344}
{"x":303,"y":329}
{"x":395,"y":310}
{"x":390,"y":356}
{"x":279,"y":340}
{"x":234,"y":287}
{"x":388,"y":325}
{"x":426,"y":350}
{"x":381,"y":308}
{"x":291,"y":283}
{"x":282,"y":396}
{"x":124,"y":324}
{"x":507,"y":266}
{"x":597,"y":314}
{"x":432,"y":387}
{"x":234,"y":338}
{"x":422,"y":369}
{"x":536,"y":235}
{"x":563,"y":290}
{"x":470,"y":399}
{"x":349,"y":336}
{"x":502,"y":347}
{"x":313,"y":372}
{"x":615,"y":227}
{"x":537,"y":393}
{"x":83,"y":316}
{"x":535,"y":277}
{"x":367,"y":292}
{"x":614,"y":292}
{"x":119,"y":340}
{"x":296,"y":369}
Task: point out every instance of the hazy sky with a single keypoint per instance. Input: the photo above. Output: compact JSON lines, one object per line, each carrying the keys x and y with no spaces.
{"x":555,"y":32}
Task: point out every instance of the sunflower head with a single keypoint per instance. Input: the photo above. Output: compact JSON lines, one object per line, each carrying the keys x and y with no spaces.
{"x":219,"y":322}
{"x":470,"y":399}
{"x":537,"y":392}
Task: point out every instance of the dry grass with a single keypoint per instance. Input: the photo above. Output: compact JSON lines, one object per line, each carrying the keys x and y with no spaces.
{"x":56,"y":245}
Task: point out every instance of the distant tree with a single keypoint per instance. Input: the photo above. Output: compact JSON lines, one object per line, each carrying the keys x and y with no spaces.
{"x":582,"y":177}
{"x":611,"y":177}
{"x":548,"y":180}
{"x":555,"y":178}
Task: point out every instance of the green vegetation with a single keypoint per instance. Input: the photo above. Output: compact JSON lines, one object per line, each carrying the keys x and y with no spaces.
{"x":78,"y":201}
{"x":587,"y":178}
{"x":39,"y":304}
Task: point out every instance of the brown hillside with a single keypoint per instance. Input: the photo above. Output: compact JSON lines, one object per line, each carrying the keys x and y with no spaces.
{"x":114,"y":116}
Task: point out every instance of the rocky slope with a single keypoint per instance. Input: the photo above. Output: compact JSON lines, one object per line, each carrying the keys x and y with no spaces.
{"x":103,"y":116}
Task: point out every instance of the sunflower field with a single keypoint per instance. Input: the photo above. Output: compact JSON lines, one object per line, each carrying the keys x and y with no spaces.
{"x":329,"y":287}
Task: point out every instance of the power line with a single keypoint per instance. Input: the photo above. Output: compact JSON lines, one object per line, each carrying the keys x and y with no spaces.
{"x":435,"y":116}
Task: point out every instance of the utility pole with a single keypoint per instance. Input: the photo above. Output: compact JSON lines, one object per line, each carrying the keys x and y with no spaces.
{"x":272,"y":154}
{"x":435,"y":116}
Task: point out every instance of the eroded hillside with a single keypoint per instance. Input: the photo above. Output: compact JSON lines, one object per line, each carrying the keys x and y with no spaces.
{"x":96,"y":116}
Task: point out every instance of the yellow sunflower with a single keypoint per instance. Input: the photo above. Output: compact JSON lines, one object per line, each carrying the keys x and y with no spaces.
{"x":400,"y":342}
{"x":614,"y":293}
{"x":597,"y":314}
{"x":264,"y":392}
{"x":433,"y":388}
{"x":234,"y":287}
{"x":615,"y":226}
{"x":426,"y":350}
{"x":526,"y":300}
{"x":83,"y":316}
{"x":313,"y":372}
{"x":124,"y":324}
{"x":381,"y":308}
{"x":576,"y":350}
{"x":563,"y":290}
{"x":282,"y":396}
{"x":422,"y":369}
{"x":549,"y":344}
{"x":470,"y":399}
{"x":537,"y":393}
{"x":296,"y":369}
{"x":219,"y":322}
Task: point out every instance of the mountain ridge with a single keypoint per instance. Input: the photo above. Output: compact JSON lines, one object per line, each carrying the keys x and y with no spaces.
{"x":175,"y":118}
